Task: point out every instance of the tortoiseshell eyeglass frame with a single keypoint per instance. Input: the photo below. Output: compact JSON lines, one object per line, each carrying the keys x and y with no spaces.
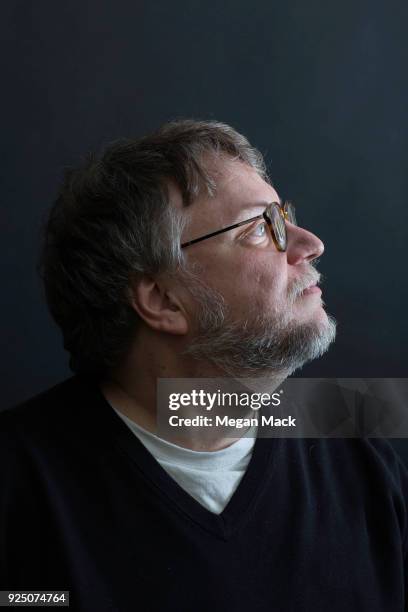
{"x":275,"y":215}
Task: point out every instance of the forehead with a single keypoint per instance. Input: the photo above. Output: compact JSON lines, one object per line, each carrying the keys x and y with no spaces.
{"x":240,"y":194}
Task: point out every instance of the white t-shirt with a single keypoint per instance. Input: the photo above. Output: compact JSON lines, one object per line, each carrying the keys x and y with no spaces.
{"x":211,"y":477}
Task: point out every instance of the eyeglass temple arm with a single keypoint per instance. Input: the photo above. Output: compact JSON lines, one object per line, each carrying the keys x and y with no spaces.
{"x":224,"y":229}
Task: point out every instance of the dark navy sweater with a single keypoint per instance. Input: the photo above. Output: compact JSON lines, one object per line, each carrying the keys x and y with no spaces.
{"x":314,"y":525}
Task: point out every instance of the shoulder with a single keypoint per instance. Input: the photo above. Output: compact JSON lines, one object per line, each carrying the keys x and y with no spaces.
{"x":23,"y":425}
{"x":389,"y":478}
{"x":362,"y":472}
{"x":42,"y":410}
{"x":49,"y":439}
{"x":387,"y":457}
{"x":53,"y":420}
{"x":372,"y":459}
{"x":65,"y":399}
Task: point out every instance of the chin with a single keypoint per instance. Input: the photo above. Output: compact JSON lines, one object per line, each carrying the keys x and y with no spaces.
{"x":308,"y":315}
{"x":321,"y":314}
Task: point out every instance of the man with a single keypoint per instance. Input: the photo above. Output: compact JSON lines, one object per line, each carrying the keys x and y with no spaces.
{"x":174,"y":257}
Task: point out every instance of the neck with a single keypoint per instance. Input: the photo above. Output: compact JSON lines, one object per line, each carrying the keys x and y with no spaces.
{"x":131,"y":388}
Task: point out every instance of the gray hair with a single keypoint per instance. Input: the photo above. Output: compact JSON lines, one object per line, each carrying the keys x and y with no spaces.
{"x":261,"y":343}
{"x":112,"y":221}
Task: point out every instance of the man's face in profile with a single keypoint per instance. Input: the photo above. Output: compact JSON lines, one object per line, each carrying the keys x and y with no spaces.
{"x":264,"y":315}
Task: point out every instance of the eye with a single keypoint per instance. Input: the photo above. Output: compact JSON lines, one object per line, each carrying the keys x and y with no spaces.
{"x":259,"y":231}
{"x":256,"y":234}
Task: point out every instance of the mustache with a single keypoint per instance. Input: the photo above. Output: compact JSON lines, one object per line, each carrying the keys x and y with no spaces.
{"x":310,"y":276}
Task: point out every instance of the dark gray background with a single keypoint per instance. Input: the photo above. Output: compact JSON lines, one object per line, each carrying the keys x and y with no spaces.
{"x":320,"y":87}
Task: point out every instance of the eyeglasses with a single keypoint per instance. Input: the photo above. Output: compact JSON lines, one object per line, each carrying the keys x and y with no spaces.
{"x":275,"y":216}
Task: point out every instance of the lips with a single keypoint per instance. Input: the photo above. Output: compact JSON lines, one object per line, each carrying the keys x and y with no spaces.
{"x":311,"y":289}
{"x":313,"y":284}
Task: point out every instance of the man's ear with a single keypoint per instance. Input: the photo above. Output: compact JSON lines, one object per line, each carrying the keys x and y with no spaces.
{"x":158,"y":306}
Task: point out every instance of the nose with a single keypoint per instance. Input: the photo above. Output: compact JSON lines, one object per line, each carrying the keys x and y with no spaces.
{"x":302,"y":245}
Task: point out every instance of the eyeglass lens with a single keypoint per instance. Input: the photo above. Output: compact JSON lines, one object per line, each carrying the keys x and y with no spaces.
{"x":278,"y":217}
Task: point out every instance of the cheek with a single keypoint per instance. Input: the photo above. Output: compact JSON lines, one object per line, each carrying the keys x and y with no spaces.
{"x":246,"y":277}
{"x":270,"y":293}
{"x":262,"y":287}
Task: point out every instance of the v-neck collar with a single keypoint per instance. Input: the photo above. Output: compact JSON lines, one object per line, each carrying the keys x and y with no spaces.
{"x":240,"y":506}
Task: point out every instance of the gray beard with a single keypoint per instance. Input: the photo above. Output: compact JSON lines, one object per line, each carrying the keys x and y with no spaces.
{"x":259,"y":345}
